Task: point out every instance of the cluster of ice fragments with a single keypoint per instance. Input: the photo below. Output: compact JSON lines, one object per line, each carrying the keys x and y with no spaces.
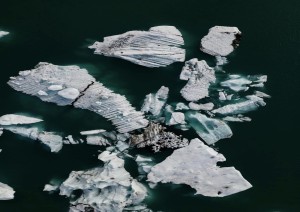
{"x":71,"y":85}
{"x":211,"y":103}
{"x":160,"y":46}
{"x":196,"y":165}
{"x":107,"y":188}
{"x":220,"y":40}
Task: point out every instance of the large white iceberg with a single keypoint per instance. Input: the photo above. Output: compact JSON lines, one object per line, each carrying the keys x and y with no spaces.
{"x":220,"y":40}
{"x":196,"y":166}
{"x":199,"y":76}
{"x":160,"y":46}
{"x":80,"y":90}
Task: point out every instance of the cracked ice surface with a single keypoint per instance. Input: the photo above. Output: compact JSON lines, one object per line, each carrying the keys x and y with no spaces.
{"x":80,"y":90}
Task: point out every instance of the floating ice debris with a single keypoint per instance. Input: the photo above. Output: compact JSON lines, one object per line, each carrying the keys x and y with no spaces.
{"x":53,"y":141}
{"x":6,"y":192}
{"x":50,"y":188}
{"x":209,"y":129}
{"x":160,"y":46}
{"x":97,"y":140}
{"x":181,"y":106}
{"x":92,"y":132}
{"x":154,"y":103}
{"x":107,"y":188}
{"x":155,"y":135}
{"x":206,"y":106}
{"x":250,"y":103}
{"x":237,"y":84}
{"x":1,"y":131}
{"x":80,"y":90}
{"x":12,"y":119}
{"x":144,"y":164}
{"x":196,"y":166}
{"x":3,"y":33}
{"x":221,"y":60}
{"x":261,"y":94}
{"x":199,"y":76}
{"x":220,"y":40}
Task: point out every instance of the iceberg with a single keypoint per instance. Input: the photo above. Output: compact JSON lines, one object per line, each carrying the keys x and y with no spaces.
{"x":6,"y":192}
{"x":199,"y":76}
{"x":158,"y":47}
{"x":196,"y":165}
{"x":209,"y":129}
{"x":220,"y":40}
{"x":107,"y":188}
{"x":80,"y":90}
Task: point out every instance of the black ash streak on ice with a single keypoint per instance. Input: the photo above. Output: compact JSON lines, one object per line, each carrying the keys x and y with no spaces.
{"x":122,"y":191}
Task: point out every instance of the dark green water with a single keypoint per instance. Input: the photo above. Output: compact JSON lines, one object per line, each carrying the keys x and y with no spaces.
{"x":265,"y":150}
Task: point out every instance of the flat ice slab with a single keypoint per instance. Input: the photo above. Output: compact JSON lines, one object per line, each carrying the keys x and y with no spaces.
{"x":220,"y":40}
{"x":199,"y":76}
{"x":6,"y":192}
{"x":196,"y":166}
{"x":13,"y":119}
{"x":80,"y":90}
{"x":160,"y":46}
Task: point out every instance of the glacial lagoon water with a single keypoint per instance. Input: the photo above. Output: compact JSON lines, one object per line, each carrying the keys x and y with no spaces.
{"x":264,"y":150}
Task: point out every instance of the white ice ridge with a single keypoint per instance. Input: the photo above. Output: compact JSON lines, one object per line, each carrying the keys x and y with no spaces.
{"x":13,"y":119}
{"x":196,"y":166}
{"x":107,"y":188}
{"x":154,"y":103}
{"x":3,"y":33}
{"x":220,"y":40}
{"x":6,"y":192}
{"x":160,"y":46}
{"x":71,"y":85}
{"x":199,"y":76}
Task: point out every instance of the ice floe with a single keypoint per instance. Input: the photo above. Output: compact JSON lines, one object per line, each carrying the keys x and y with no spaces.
{"x":220,"y":40}
{"x":154,"y":103}
{"x":13,"y":119}
{"x":6,"y":192}
{"x":210,"y":130}
{"x":3,"y":33}
{"x":160,"y":46}
{"x":199,"y":76}
{"x":196,"y":166}
{"x":80,"y":90}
